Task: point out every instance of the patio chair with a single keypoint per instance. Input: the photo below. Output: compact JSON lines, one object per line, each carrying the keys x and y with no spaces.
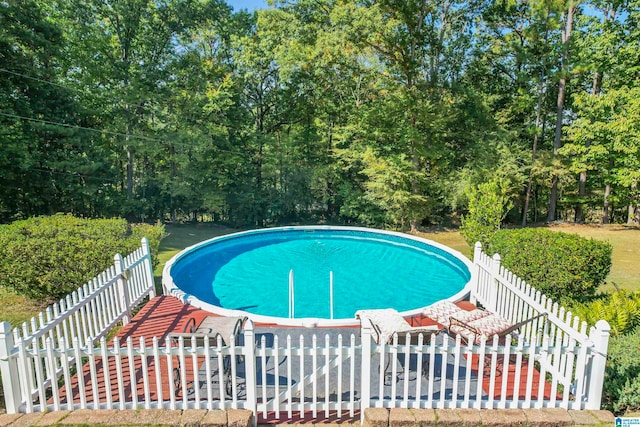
{"x":475,"y":326}
{"x":211,"y":327}
{"x":489,"y":326}
{"x":442,"y":312}
{"x":472,"y":325}
{"x":388,"y":322}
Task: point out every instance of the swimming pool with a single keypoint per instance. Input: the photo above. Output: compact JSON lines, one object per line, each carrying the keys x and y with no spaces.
{"x":250,"y":272}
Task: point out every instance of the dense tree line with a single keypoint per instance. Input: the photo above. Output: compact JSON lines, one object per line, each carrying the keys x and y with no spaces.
{"x":388,"y":112}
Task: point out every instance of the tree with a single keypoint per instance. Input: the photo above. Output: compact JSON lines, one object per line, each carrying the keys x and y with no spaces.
{"x":568,"y":12}
{"x":606,"y":137}
{"x":603,"y":121}
{"x":488,"y":206}
{"x":512,"y":67}
{"x":421,"y":44}
{"x":122,"y":51}
{"x":47,"y":163}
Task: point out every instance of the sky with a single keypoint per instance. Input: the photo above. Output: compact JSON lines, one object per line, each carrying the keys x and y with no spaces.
{"x":252,"y":5}
{"x":247,"y":4}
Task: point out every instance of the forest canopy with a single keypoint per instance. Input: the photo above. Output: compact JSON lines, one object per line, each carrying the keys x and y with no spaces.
{"x":382,"y":113}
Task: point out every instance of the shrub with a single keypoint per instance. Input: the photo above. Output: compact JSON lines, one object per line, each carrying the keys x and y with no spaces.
{"x":621,"y":392}
{"x":48,"y":257}
{"x":153,"y":233}
{"x":488,"y":205}
{"x":558,"y":264}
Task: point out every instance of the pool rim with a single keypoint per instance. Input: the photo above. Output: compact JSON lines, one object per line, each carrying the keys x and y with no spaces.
{"x":170,"y":288}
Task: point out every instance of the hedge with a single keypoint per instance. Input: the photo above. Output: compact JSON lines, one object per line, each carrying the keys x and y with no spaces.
{"x":621,"y":391}
{"x":557,"y":264}
{"x":49,"y":257}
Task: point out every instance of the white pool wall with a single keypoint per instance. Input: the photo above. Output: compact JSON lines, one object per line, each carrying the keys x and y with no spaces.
{"x":170,"y":288}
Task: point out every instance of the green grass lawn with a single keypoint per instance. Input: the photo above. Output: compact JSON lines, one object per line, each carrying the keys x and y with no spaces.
{"x":182,"y":236}
{"x":625,"y":258}
{"x":625,"y":265}
{"x":16,"y":308}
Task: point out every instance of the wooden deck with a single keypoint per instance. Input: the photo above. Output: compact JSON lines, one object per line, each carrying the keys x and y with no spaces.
{"x":159,"y":317}
{"x":163,"y":315}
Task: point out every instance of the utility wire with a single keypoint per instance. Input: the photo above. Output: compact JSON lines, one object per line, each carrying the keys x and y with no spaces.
{"x":145,"y":106}
{"x":144,"y":138}
{"x":148,"y":107}
{"x":15,"y":73}
{"x":77,"y":175}
{"x":48,"y":122}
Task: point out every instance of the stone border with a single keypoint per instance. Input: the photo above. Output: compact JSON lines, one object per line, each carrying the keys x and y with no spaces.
{"x":141,"y":417}
{"x":380,"y":417}
{"x":373,"y":417}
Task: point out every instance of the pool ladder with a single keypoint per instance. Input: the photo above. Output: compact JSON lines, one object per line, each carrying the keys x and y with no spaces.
{"x":292,"y":304}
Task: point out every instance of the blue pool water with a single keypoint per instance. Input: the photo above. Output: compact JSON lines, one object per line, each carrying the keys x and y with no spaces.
{"x":250,"y":272}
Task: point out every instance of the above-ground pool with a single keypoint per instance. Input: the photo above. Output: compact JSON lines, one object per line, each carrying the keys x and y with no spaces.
{"x":284,"y":273}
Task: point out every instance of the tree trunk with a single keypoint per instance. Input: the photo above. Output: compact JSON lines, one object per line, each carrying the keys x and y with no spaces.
{"x":582,"y":192}
{"x":582,"y":184}
{"x":605,"y":207}
{"x":413,"y":223}
{"x":597,"y":85}
{"x":553,"y":199}
{"x":130,"y":159}
{"x":557,"y":143}
{"x":415,"y":160}
{"x":534,"y":148}
{"x":173,"y":177}
{"x":632,"y":215}
{"x":633,"y":211}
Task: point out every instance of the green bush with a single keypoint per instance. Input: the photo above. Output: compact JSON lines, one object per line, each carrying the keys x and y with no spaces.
{"x":49,"y":257}
{"x":153,"y":233}
{"x":488,"y":205}
{"x":559,"y":265}
{"x":621,"y":392}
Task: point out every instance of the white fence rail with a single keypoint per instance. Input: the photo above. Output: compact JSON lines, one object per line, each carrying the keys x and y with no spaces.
{"x":578,"y":358}
{"x":79,"y":320}
{"x":53,"y":365}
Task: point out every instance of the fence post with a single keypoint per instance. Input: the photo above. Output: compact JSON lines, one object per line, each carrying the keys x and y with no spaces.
{"x":477,"y":252}
{"x":365,"y":372}
{"x":599,"y":335}
{"x":123,"y":288}
{"x":9,"y":370}
{"x":495,"y":272}
{"x":148,"y":267}
{"x":250,"y":368}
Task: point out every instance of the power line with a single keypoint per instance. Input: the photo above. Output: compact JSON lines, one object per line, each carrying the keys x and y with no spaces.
{"x":48,"y":122}
{"x":75,"y":174}
{"x":145,"y":106}
{"x":15,"y":73}
{"x":149,"y":107}
{"x":144,"y":138}
{"x":71,"y":89}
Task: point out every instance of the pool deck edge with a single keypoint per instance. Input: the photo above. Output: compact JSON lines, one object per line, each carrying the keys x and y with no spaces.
{"x":373,"y":417}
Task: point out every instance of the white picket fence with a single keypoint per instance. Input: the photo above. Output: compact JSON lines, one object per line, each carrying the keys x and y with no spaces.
{"x":79,"y":320}
{"x":577,"y":356}
{"x":56,"y":366}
